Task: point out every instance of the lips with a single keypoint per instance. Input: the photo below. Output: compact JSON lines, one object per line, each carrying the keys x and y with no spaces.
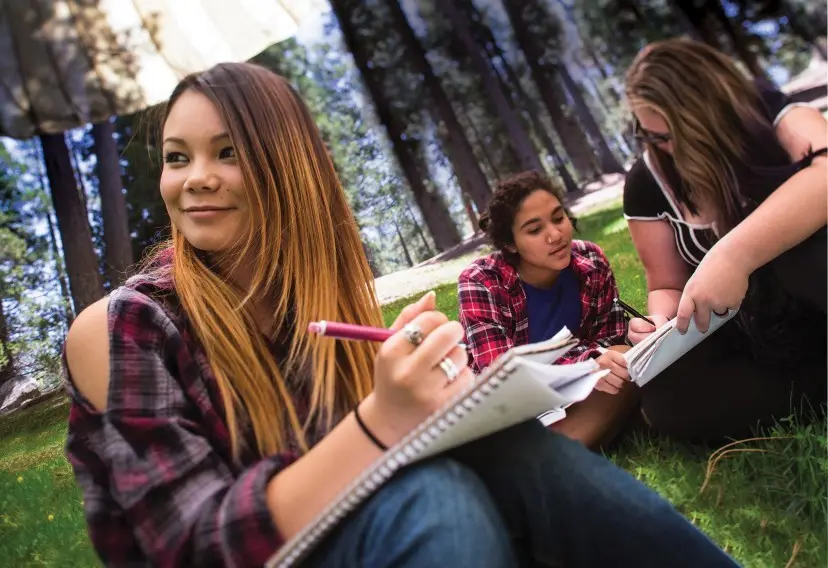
{"x":204,"y":208}
{"x":559,"y":250}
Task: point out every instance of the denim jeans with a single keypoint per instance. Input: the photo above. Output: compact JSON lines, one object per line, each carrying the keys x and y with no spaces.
{"x":525,"y":496}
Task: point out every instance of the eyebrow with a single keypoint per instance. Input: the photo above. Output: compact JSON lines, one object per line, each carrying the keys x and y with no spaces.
{"x":213,"y":139}
{"x":555,"y":211}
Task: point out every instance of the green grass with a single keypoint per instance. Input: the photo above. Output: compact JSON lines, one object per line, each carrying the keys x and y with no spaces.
{"x":766,"y":501}
{"x":41,"y":513}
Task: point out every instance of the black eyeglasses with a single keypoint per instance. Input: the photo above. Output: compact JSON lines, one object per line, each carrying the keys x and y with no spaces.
{"x":647,"y":137}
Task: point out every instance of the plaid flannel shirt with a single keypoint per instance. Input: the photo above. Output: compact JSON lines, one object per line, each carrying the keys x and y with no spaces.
{"x":160,"y":486}
{"x":493,"y":307}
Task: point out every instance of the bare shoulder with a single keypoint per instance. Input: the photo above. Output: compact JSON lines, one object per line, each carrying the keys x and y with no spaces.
{"x":87,"y":353}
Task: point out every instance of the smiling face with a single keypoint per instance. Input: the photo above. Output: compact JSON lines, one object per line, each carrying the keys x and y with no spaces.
{"x":542,"y":234}
{"x":652,"y":128}
{"x":201,"y":182}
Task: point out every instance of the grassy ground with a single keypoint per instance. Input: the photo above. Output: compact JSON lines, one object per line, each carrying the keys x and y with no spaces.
{"x":764,"y":501}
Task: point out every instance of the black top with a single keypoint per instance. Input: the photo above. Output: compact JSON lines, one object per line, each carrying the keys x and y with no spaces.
{"x":646,"y":198}
{"x":779,"y":328}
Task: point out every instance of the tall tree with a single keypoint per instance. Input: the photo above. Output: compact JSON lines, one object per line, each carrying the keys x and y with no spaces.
{"x":527,"y":154}
{"x":117,"y":246}
{"x":471,"y":178}
{"x":523,"y":100}
{"x":552,"y":90}
{"x":73,"y":224}
{"x":435,"y":214}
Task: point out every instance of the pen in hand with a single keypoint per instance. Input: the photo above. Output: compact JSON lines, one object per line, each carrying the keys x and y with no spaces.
{"x":632,"y":311}
{"x":354,"y":332}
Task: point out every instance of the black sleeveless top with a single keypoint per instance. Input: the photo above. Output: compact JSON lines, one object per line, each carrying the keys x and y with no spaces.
{"x":777,"y":326}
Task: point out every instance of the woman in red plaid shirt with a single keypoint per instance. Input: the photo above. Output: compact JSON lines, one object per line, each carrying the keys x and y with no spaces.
{"x":207,"y":427}
{"x":538,"y":281}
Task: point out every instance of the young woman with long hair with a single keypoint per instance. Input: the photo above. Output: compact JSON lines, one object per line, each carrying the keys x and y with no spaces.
{"x":727,"y":209}
{"x":207,"y":427}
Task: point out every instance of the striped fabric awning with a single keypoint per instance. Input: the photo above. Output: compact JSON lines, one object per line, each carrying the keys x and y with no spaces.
{"x":64,"y":63}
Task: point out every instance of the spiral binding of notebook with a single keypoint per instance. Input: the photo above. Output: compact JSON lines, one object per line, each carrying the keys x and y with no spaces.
{"x":408,"y":450}
{"x":405,"y":452}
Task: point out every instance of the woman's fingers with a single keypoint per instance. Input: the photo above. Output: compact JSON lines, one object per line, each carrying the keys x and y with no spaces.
{"x":425,"y":304}
{"x":605,"y":386}
{"x":438,"y":344}
{"x":399,"y":345}
{"x":640,"y":325}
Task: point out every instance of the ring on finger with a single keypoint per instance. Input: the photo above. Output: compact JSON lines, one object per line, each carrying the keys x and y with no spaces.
{"x":413,"y":334}
{"x":450,"y":369}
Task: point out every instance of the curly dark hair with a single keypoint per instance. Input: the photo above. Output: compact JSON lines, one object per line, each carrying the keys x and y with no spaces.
{"x":508,"y":196}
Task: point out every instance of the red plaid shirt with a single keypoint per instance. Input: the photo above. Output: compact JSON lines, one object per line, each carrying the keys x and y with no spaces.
{"x":493,"y":307}
{"x":160,"y":487}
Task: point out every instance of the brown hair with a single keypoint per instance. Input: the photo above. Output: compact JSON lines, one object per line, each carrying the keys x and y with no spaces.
{"x":715,"y":115}
{"x":306,"y":254}
{"x":509,"y":194}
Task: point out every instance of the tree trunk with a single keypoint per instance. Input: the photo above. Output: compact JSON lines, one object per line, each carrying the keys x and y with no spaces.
{"x":61,"y":272}
{"x":73,"y":224}
{"x":471,"y":178}
{"x":524,"y":99}
{"x":60,"y":268}
{"x":609,"y":163}
{"x":739,"y":41}
{"x":469,"y":207}
{"x":407,"y":254}
{"x":7,"y":371}
{"x":369,"y":253}
{"x":118,"y":249}
{"x":80,"y":183}
{"x":524,"y":149}
{"x":487,"y":157}
{"x":572,"y":137}
{"x":419,"y":230}
{"x":434,"y":211}
{"x":372,"y":263}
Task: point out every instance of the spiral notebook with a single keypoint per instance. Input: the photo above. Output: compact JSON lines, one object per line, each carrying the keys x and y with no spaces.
{"x":665,"y":346}
{"x":520,"y":385}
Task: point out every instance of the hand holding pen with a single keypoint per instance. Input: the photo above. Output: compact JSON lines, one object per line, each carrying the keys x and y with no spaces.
{"x":640,"y":326}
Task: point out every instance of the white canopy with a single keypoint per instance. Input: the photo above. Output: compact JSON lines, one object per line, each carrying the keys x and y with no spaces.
{"x":64,"y":63}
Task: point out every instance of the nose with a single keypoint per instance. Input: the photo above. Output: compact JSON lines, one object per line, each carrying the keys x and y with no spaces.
{"x":201,"y":178}
{"x":553,"y":235}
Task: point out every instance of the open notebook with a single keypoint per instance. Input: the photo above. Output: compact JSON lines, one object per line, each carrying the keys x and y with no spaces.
{"x":520,"y":385}
{"x":665,"y":346}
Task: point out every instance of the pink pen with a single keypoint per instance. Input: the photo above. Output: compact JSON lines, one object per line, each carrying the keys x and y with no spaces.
{"x":353,"y":332}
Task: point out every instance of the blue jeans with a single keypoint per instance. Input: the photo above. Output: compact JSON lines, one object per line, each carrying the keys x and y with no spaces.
{"x":522,"y":497}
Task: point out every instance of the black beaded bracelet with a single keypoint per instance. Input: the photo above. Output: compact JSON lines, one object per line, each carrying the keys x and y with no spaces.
{"x":365,"y":429}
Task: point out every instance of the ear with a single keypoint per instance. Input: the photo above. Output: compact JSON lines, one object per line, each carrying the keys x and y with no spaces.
{"x":511,"y":249}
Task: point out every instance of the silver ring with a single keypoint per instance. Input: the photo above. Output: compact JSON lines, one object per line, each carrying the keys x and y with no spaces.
{"x":413,"y":334}
{"x":450,"y":369}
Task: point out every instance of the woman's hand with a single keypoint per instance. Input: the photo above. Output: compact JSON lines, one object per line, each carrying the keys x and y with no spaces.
{"x":618,"y":376}
{"x":409,"y":383}
{"x":719,"y":284}
{"x":639,"y":329}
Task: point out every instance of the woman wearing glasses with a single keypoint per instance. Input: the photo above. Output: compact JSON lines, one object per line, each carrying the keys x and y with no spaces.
{"x":727,"y":209}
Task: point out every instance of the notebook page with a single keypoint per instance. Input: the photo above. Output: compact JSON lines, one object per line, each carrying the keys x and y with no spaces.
{"x":547,"y":351}
{"x":669,"y":347}
{"x":518,"y":398}
{"x":556,"y":376}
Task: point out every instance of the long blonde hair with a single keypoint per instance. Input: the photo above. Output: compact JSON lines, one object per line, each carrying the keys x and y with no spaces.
{"x":306,"y":255}
{"x":720,"y":129}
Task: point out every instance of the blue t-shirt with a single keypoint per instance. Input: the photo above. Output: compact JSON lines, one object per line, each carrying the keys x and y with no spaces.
{"x":550,"y":309}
